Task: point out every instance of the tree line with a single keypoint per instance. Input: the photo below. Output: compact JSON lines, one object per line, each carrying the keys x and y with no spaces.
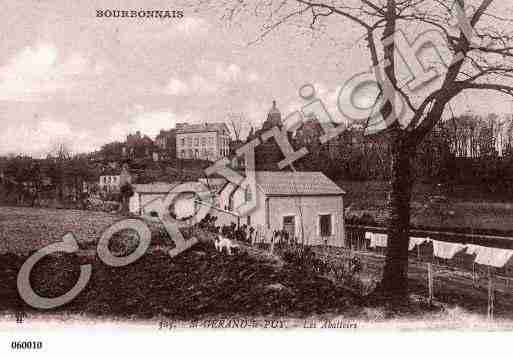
{"x":467,"y":149}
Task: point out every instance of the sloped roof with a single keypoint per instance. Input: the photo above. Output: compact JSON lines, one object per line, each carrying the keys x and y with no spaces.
{"x":166,"y":133}
{"x":296,"y":183}
{"x":164,"y":187}
{"x":111,"y":172}
{"x":157,"y":187}
{"x":201,"y":127}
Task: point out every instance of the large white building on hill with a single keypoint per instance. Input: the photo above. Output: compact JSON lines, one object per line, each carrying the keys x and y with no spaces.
{"x":207,"y":141}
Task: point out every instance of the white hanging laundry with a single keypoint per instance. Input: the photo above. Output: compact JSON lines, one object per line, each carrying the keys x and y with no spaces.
{"x":268,"y":235}
{"x":446,"y":250}
{"x":378,"y":240}
{"x":416,"y":241}
{"x":473,"y":248}
{"x":494,"y":257}
{"x":373,"y":240}
{"x":368,"y":235}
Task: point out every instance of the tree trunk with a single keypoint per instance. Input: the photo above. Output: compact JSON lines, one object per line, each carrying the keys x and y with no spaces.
{"x":394,"y":284}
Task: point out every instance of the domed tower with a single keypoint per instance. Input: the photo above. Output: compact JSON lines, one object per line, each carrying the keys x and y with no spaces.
{"x":273,"y":118}
{"x":268,"y":153}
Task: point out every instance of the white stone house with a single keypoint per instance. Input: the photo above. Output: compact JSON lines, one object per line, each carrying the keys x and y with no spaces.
{"x":308,"y":205}
{"x":146,"y":200}
{"x":112,"y":180}
{"x":144,"y":194}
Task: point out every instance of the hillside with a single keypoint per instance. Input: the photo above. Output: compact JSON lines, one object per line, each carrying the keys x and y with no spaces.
{"x":200,"y":282}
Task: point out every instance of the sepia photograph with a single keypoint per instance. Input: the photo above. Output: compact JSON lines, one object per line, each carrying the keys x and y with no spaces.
{"x":256,"y":166}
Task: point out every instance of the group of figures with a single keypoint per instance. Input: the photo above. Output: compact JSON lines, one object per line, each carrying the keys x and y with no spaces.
{"x":292,"y":252}
{"x":248,"y":234}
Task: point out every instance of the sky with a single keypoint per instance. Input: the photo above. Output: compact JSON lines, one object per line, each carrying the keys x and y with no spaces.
{"x":67,"y":76}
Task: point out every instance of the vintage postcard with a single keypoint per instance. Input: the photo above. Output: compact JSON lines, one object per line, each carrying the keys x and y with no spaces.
{"x":330,"y":166}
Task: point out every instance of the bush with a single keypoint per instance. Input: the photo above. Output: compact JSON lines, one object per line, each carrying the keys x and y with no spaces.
{"x":123,"y":243}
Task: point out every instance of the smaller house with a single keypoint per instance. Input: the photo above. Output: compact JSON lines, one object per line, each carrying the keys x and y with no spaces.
{"x":308,"y":205}
{"x":138,"y":146}
{"x":145,"y":194}
{"x":147,"y":198}
{"x":112,"y":180}
{"x":166,"y":144}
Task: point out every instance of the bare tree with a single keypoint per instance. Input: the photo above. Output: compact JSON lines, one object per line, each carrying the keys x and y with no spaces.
{"x":61,"y":152}
{"x":238,"y":124}
{"x":61,"y":155}
{"x":475,"y":67}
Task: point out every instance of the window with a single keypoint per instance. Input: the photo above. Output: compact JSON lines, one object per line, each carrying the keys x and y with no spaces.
{"x":247,"y":194}
{"x":288,"y":220}
{"x":183,"y":142}
{"x":211,"y":140}
{"x":325,"y":225}
{"x":196,"y":141}
{"x":230,"y":202}
{"x":203,"y":141}
{"x":183,"y":153}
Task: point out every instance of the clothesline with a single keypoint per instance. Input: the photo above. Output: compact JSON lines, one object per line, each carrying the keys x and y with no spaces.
{"x":417,"y":241}
{"x":494,"y":257}
{"x":377,"y":239}
{"x":447,"y":250}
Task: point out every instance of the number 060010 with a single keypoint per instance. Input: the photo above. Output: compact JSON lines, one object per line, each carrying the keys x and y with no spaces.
{"x":26,"y":345}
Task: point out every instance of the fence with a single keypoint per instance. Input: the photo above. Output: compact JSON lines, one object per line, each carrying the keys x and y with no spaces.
{"x":494,"y":278}
{"x":435,"y":272}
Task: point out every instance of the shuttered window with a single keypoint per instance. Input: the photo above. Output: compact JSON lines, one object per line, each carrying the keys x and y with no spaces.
{"x":325,"y":225}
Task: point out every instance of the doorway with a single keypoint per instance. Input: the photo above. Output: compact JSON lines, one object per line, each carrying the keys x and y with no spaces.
{"x":289,"y":225}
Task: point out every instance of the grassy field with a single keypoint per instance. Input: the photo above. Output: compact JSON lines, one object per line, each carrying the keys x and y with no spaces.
{"x":465,"y":207}
{"x":23,"y":230}
{"x":199,"y":283}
